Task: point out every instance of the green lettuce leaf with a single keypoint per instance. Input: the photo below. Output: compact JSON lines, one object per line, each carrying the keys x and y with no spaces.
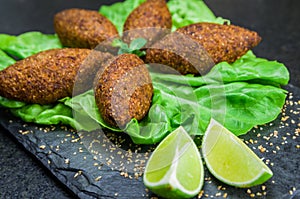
{"x":8,"y":103}
{"x":248,"y":68}
{"x":45,"y":114}
{"x":28,"y":43}
{"x":5,"y":39}
{"x":238,"y":105}
{"x":192,"y":11}
{"x":5,"y":60}
{"x":84,"y":106}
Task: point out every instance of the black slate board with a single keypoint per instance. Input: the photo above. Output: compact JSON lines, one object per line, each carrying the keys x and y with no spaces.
{"x":276,"y":21}
{"x":61,"y":151}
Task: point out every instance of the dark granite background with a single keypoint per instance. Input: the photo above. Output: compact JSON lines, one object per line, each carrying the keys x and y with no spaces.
{"x":277,"y":21}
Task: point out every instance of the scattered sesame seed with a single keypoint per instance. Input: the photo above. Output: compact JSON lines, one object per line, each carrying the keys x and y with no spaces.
{"x":261,"y":149}
{"x":98,"y":178}
{"x":201,"y":194}
{"x":67,"y":161}
{"x":259,"y":194}
{"x":77,"y":174}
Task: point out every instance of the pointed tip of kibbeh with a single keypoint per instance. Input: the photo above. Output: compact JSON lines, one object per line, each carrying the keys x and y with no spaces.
{"x":50,"y":75}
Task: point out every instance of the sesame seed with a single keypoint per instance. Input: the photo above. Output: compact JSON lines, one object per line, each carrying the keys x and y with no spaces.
{"x":77,"y":174}
{"x":98,"y":178}
{"x":67,"y":161}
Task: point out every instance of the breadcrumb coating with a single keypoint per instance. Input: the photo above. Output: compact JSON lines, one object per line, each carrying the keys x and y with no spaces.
{"x":123,"y":90}
{"x":81,"y":28}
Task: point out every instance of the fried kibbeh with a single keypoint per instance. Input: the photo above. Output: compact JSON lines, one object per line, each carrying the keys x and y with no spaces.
{"x":150,"y":20}
{"x":81,"y":28}
{"x":169,"y":55}
{"x":47,"y":76}
{"x":222,"y":42}
{"x":88,"y":69}
{"x":123,"y":90}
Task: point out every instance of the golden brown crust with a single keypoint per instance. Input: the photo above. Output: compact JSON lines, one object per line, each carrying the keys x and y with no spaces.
{"x":222,"y":42}
{"x":80,"y":28}
{"x":152,"y":17}
{"x":179,"y":52}
{"x":123,"y":90}
{"x":216,"y":43}
{"x":45,"y":77}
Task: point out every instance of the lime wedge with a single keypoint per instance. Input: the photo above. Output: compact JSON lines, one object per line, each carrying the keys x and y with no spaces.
{"x":175,"y":169}
{"x":231,"y":160}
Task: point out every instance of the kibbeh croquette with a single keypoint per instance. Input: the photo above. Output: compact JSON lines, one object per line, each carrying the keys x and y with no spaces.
{"x":81,"y":28}
{"x":150,"y":20}
{"x":48,"y":76}
{"x":123,"y":90}
{"x":170,"y":56}
{"x":222,"y":42}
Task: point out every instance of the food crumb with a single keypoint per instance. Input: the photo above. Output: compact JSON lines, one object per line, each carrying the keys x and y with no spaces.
{"x":98,"y":178}
{"x":259,"y":194}
{"x":261,"y":149}
{"x":77,"y":174}
{"x":200,"y":193}
{"x":67,"y":161}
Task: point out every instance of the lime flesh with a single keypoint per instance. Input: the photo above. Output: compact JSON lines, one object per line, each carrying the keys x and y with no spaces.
{"x":175,"y":168}
{"x":230,"y":160}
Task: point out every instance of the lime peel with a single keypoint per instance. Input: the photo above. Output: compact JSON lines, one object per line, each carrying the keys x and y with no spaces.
{"x":230,"y":160}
